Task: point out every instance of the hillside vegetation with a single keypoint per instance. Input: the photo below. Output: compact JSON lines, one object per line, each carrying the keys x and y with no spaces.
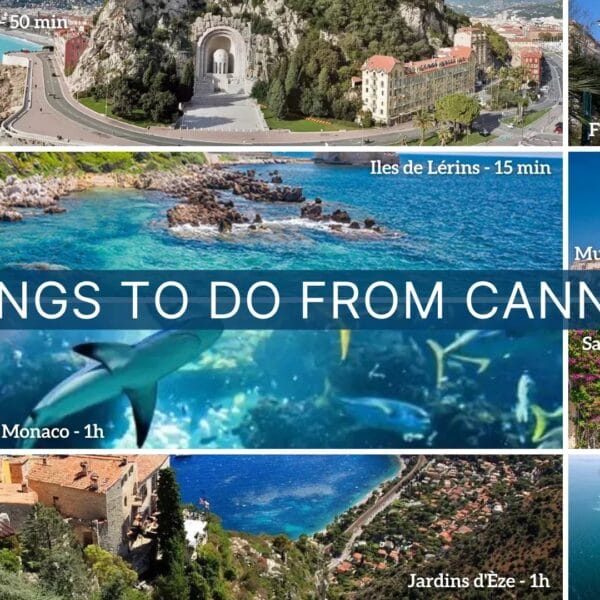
{"x":26,"y":164}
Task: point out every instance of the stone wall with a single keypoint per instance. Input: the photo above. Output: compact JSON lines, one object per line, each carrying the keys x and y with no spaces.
{"x":119,"y":506}
{"x":70,"y":502}
{"x":17,"y":513}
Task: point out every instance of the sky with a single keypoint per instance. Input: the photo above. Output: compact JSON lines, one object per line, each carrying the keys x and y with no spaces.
{"x":584,"y":201}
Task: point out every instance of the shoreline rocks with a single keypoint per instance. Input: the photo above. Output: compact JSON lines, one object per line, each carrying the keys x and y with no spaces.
{"x":197,"y":187}
{"x":313,"y":211}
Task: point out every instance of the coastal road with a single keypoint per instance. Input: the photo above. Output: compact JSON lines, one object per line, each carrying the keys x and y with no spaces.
{"x":56,"y":117}
{"x":541,"y":131}
{"x":355,"y":529}
{"x":53,"y":116}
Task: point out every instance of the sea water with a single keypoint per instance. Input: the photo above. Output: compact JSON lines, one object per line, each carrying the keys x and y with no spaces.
{"x":584,"y":527}
{"x":485,"y":222}
{"x":291,"y":494}
{"x":14,"y":44}
{"x":280,"y":389}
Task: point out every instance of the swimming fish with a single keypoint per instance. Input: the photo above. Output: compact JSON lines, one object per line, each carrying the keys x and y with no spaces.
{"x":387,"y":414}
{"x":121,"y":369}
{"x":345,"y":337}
{"x":553,"y":439}
{"x":524,"y":388}
{"x":467,"y":337}
{"x":542,"y":420}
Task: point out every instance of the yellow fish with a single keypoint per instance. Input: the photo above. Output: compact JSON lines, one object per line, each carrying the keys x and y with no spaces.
{"x":441,"y":354}
{"x":345,"y":336}
{"x":542,"y":418}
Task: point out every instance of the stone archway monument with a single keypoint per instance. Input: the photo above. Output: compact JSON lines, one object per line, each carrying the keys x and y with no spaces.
{"x":221,"y":62}
{"x":223,"y":77}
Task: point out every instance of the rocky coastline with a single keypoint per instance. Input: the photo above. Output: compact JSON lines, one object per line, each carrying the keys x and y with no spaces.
{"x":197,"y":188}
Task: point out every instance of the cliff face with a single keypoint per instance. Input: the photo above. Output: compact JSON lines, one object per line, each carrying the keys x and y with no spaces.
{"x":427,"y":20}
{"x":12,"y":88}
{"x":123,"y":26}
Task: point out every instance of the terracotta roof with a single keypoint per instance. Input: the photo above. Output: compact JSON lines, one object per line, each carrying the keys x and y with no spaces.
{"x":67,"y":471}
{"x":10,"y":493}
{"x":460,"y":52}
{"x":147,"y":464}
{"x":379,"y":62}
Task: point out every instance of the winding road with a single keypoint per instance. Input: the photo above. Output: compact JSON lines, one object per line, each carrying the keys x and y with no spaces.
{"x":54,"y":117}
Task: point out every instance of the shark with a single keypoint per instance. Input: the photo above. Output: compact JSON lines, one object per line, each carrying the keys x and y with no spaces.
{"x":118,"y":368}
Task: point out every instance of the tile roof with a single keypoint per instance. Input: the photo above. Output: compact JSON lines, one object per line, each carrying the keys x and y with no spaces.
{"x":379,"y":62}
{"x":10,"y":493}
{"x":147,"y":464}
{"x":67,"y":471}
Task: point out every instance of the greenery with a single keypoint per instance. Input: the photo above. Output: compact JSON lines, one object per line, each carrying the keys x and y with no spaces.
{"x":498,"y":45}
{"x":299,"y":123}
{"x":444,"y":137}
{"x":50,"y":550}
{"x":367,"y":27}
{"x":26,"y":164}
{"x":457,"y":111}
{"x":314,"y":79}
{"x":584,"y":78}
{"x":526,"y":538}
{"x":584,"y":389}
{"x":528,"y":118}
{"x":100,"y":105}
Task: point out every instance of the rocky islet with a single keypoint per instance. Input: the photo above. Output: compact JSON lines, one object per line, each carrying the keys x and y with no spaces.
{"x":196,"y":187}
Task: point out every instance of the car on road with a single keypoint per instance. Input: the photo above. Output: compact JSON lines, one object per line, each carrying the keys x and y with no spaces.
{"x":558,"y":128}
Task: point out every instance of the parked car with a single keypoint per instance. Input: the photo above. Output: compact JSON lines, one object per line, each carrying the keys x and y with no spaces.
{"x":558,"y":128}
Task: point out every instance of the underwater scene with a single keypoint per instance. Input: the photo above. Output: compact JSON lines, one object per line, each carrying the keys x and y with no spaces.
{"x":288,"y":389}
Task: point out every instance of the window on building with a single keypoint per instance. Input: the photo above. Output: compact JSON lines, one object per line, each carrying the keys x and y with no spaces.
{"x":125,"y":501}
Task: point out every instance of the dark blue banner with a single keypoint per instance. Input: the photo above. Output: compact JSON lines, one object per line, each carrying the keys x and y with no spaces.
{"x":299,"y":300}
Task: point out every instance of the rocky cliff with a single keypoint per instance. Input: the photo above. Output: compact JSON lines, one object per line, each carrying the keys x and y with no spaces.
{"x":428,"y":20}
{"x":12,"y":88}
{"x":124,"y":26}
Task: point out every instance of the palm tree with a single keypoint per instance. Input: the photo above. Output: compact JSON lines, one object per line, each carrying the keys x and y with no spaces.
{"x":423,"y":120}
{"x":522,"y":104}
{"x":445,"y":135}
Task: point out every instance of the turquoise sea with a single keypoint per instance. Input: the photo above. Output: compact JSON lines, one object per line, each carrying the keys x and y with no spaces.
{"x":291,"y":494}
{"x":9,"y":43}
{"x":290,"y":389}
{"x":484,"y":222}
{"x":584,"y":527}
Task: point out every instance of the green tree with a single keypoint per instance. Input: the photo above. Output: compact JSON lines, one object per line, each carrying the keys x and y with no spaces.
{"x":64,"y":572}
{"x":43,"y":532}
{"x":186,"y":84}
{"x":14,"y":586}
{"x":522,"y":104}
{"x":199,"y":588}
{"x":458,"y":110}
{"x":108,"y":567}
{"x":171,"y":528}
{"x":276,"y":99}
{"x":424,"y":120}
{"x":174,"y":585}
{"x":9,"y":561}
